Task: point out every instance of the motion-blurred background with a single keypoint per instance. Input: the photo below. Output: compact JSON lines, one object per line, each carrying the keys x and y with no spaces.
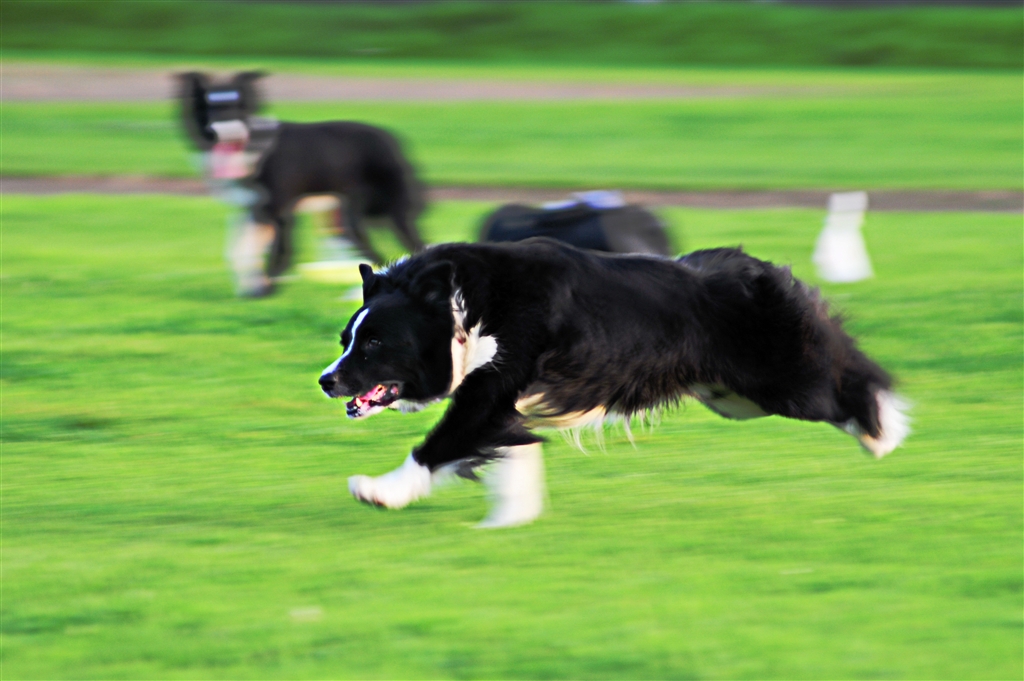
{"x":174,"y":500}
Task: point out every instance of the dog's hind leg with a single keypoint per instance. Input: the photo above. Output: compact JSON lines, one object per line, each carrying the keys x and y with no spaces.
{"x":516,"y":482}
{"x":355,"y":229}
{"x":248,"y":252}
{"x":281,"y":251}
{"x":405,"y":229}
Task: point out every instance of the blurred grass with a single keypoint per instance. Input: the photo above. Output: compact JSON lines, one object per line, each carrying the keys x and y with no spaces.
{"x":174,"y":500}
{"x":860,"y":131}
{"x":719,"y":33}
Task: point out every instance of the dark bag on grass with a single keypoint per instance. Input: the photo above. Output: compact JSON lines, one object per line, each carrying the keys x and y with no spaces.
{"x":619,"y":229}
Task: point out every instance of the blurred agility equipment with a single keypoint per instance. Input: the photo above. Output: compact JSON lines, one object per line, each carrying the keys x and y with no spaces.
{"x":597,"y":220}
{"x":840,"y":255}
{"x":541,"y":334}
{"x":337,"y":258}
{"x":265,"y":167}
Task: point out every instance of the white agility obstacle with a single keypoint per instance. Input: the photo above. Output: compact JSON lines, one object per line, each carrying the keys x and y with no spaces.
{"x":841,"y":255}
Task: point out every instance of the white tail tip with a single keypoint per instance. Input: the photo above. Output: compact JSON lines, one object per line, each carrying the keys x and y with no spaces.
{"x":893,"y":422}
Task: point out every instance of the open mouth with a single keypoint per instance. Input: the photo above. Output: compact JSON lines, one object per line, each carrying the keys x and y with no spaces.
{"x":373,"y":401}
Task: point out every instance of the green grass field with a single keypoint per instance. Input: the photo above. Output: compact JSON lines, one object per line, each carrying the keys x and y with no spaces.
{"x":174,"y":499}
{"x":828,"y":130}
{"x":175,"y":505}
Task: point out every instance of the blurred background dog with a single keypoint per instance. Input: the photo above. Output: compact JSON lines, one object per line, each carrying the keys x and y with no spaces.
{"x":266,"y":167}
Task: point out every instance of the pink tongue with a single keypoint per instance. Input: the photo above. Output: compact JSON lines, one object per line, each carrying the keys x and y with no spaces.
{"x":374,"y":395}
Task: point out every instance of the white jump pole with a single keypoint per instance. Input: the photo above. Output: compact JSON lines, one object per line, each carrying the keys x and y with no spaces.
{"x":840,"y":255}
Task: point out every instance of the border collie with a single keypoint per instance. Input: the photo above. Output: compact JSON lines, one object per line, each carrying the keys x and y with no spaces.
{"x":539,"y":333}
{"x":360,"y":162}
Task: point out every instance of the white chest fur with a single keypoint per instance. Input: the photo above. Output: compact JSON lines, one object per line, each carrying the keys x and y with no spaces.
{"x":470,"y":349}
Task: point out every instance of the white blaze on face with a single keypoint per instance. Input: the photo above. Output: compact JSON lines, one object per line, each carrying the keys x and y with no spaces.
{"x":351,"y":344}
{"x":470,"y":350}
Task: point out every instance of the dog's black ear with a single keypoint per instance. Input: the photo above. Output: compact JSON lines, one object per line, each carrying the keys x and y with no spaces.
{"x":245,"y":83}
{"x":434,"y":283}
{"x":192,"y":88}
{"x":370,"y":281}
{"x":192,"y":81}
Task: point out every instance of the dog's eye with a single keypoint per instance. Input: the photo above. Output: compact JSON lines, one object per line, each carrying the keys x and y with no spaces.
{"x":373,"y":343}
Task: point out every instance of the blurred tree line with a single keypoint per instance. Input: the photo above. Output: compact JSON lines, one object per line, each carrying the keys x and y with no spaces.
{"x":595,"y":33}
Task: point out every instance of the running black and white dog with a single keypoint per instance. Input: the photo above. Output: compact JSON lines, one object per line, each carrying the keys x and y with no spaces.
{"x":539,"y":333}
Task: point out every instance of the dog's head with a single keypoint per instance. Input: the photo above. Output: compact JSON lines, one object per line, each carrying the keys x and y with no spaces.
{"x":397,"y":346}
{"x":205,"y":102}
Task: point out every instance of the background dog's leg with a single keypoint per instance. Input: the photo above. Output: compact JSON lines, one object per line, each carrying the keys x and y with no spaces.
{"x":406,"y":230}
{"x":282,"y":251}
{"x":248,"y":255}
{"x":355,"y":229}
{"x":516,"y":482}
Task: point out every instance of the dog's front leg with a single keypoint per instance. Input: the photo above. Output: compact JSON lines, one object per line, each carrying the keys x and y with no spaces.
{"x":516,"y":484}
{"x":248,"y":254}
{"x":400,"y":487}
{"x":481,"y":418}
{"x":474,"y":422}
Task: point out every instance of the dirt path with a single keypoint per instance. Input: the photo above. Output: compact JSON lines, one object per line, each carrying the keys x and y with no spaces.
{"x":24,"y":82}
{"x":1000,"y":201}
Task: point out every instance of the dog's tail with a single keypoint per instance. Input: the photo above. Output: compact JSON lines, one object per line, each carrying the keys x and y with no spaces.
{"x":796,"y":359}
{"x":893,"y":424}
{"x":865,"y":403}
{"x":867,"y":406}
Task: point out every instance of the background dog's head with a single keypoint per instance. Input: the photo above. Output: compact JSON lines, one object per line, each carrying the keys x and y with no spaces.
{"x":204,"y":102}
{"x":398,"y":344}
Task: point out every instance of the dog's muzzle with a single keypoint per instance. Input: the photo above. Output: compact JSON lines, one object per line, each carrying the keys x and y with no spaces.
{"x":374,"y":400}
{"x":371,"y":402}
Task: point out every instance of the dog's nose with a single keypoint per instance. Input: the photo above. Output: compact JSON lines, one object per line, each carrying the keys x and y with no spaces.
{"x":327,"y":382}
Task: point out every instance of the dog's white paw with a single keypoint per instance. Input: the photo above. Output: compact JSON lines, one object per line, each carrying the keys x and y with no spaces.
{"x":400,"y":487}
{"x":516,"y":482}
